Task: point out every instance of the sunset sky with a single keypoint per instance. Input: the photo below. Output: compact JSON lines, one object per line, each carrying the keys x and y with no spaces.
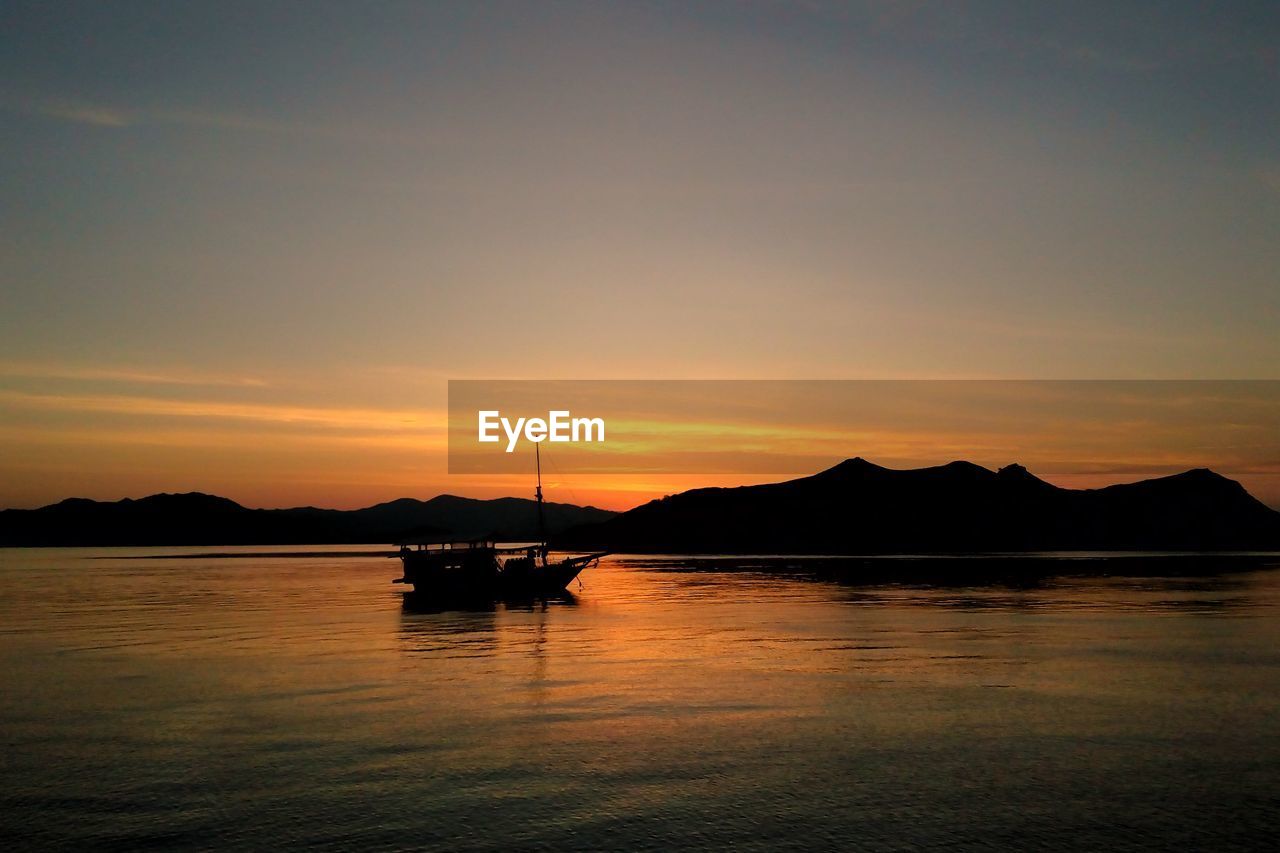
{"x":244,"y":247}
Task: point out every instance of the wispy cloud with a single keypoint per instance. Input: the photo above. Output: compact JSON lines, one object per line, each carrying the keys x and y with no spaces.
{"x":27,"y":370}
{"x":111,"y":116}
{"x":1115,"y":42}
{"x":386,"y":420}
{"x":198,"y":436}
{"x":80,"y":113}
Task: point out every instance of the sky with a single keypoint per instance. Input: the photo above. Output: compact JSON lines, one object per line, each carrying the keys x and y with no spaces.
{"x":243,"y":247}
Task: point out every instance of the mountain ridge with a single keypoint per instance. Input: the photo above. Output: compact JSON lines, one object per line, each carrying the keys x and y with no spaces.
{"x":857,"y":507}
{"x":197,"y":518}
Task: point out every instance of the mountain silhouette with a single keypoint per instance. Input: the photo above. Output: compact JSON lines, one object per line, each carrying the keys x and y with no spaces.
{"x":858,"y":507}
{"x":199,"y":519}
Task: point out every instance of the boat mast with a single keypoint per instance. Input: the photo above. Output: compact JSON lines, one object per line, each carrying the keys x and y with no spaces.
{"x":542,"y":524}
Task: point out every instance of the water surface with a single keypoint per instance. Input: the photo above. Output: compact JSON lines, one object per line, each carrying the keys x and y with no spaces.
{"x":299,"y":701}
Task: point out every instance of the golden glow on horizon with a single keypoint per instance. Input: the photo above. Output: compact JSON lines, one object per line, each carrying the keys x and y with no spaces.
{"x":90,"y":432}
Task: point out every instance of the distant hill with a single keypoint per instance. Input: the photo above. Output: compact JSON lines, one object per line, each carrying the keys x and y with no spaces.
{"x":861,"y":508}
{"x":200,"y":519}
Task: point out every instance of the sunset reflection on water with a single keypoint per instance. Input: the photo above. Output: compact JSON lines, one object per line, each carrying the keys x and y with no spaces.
{"x":304,"y":700}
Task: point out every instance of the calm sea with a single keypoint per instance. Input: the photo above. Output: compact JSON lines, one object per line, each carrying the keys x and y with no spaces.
{"x":297,"y":701}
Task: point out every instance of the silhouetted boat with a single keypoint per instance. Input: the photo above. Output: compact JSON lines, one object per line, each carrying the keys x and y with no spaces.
{"x":479,"y":569}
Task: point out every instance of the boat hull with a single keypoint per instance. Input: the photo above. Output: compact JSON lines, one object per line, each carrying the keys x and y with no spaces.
{"x":485,"y":578}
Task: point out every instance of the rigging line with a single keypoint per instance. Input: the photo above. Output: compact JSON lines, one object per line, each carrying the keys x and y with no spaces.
{"x":573,"y":496}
